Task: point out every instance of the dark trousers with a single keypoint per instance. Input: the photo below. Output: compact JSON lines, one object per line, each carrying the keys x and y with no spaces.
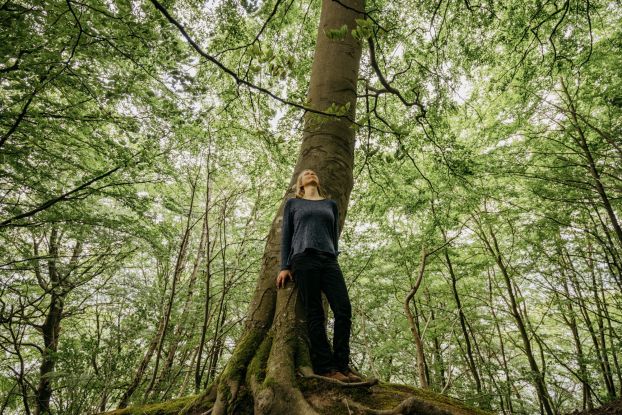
{"x":316,"y":272}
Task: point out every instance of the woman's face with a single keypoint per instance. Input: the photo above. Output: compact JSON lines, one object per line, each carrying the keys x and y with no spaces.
{"x":309,"y":176}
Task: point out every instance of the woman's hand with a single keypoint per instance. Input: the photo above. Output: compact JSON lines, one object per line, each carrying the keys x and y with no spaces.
{"x":281,"y":280}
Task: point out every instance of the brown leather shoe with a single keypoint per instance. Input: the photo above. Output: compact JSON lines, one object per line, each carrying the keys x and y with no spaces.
{"x":333,"y":374}
{"x":352,"y":377}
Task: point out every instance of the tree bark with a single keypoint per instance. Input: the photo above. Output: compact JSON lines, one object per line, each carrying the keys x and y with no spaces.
{"x":207,"y":272}
{"x":570,"y":319}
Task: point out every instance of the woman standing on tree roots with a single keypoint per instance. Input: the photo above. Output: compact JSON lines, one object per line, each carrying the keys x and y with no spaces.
{"x":309,"y":253}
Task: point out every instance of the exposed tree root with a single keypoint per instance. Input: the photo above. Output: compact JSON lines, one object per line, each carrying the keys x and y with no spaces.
{"x":279,"y":394}
{"x":227,"y":395}
{"x":261,"y":377}
{"x":313,"y":396}
{"x":205,"y":399}
{"x":409,"y":406}
{"x":268,"y":372}
{"x":367,"y":383}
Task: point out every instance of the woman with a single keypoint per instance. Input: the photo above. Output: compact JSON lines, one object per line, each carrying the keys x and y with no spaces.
{"x":309,"y":253}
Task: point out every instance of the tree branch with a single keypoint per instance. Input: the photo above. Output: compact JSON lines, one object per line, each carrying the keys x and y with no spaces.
{"x":232,"y":74}
{"x":387,"y":86}
{"x":61,"y":198}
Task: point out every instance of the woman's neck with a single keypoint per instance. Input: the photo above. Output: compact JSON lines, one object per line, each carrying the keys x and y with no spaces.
{"x":311,"y":192}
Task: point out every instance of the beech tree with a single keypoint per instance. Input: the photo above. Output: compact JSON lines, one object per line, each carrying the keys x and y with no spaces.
{"x":274,"y":349}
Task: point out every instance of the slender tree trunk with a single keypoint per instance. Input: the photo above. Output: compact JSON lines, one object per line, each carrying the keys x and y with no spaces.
{"x":508,"y":379}
{"x":105,"y":392}
{"x":439,"y":363}
{"x":188,"y":375}
{"x":180,"y":327}
{"x":569,"y":316}
{"x":50,"y":331}
{"x":421,"y":365}
{"x":16,"y":340}
{"x":207,"y":273}
{"x":591,"y":165}
{"x":609,"y":248}
{"x":58,"y":288}
{"x":584,"y":308}
{"x":217,"y":341}
{"x":600,"y":312}
{"x":614,"y":340}
{"x":180,"y":264}
{"x":144,"y":363}
{"x":217,"y":344}
{"x":207,"y":317}
{"x":462,"y":319}
{"x":142,"y":368}
{"x":418,"y":317}
{"x":538,"y":377}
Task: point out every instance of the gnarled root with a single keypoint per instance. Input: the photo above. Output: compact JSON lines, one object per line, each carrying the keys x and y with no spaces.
{"x":368,"y":383}
{"x":282,"y":399}
{"x":203,"y":400}
{"x":268,"y":372}
{"x":233,"y":375}
{"x":227,"y":394}
{"x":278,"y":393}
{"x":409,"y":406}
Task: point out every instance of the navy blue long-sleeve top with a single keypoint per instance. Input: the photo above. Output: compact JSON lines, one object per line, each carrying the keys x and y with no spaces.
{"x":309,"y":224}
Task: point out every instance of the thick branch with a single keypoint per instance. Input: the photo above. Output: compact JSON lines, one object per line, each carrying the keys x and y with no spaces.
{"x":229,"y":72}
{"x":387,"y":86}
{"x":61,"y":198}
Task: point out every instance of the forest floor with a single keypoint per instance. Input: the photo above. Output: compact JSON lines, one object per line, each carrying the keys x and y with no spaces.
{"x":327,"y":398}
{"x":611,"y":408}
{"x":330,"y":399}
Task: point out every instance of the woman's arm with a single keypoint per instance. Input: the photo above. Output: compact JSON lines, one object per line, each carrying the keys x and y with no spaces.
{"x":287,"y":231}
{"x":336,"y":231}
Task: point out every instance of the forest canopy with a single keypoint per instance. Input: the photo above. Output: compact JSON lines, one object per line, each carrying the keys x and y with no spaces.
{"x":146,"y":147}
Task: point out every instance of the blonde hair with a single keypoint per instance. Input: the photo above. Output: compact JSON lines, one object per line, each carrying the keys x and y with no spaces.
{"x":299,"y":190}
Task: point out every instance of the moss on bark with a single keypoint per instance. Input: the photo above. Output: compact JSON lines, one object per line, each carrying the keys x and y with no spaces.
{"x":174,"y":406}
{"x":256,"y":371}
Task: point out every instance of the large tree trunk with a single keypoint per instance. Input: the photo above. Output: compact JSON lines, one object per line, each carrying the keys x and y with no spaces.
{"x":274,"y":340}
